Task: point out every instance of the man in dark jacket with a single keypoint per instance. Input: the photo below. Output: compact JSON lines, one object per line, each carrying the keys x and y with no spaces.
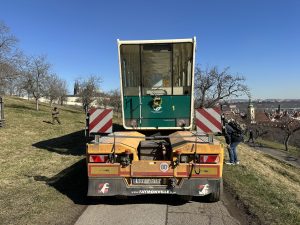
{"x":251,"y":136}
{"x":233,"y":136}
{"x":55,"y":114}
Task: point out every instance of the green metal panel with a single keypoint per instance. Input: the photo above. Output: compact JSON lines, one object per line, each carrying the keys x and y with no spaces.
{"x":172,"y":108}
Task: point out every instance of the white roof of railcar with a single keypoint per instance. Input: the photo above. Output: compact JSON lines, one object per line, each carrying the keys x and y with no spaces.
{"x":156,"y":41}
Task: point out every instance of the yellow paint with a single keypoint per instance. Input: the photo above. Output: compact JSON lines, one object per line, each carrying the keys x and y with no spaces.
{"x":125,"y":170}
{"x":179,"y":142}
{"x":146,"y":166}
{"x":117,"y":144}
{"x":205,"y":171}
{"x":108,"y":170}
{"x":183,"y":142}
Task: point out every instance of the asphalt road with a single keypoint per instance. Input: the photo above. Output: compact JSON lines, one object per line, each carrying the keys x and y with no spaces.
{"x":159,"y":210}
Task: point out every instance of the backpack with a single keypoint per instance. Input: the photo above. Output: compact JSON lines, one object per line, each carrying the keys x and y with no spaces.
{"x":238,"y":132}
{"x":236,"y":127}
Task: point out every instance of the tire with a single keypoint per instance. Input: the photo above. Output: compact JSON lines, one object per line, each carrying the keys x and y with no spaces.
{"x":215,"y":196}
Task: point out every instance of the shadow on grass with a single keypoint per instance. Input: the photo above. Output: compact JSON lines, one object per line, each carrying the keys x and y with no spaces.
{"x":45,"y":121}
{"x":70,"y":144}
{"x":71,"y":182}
{"x":19,"y":106}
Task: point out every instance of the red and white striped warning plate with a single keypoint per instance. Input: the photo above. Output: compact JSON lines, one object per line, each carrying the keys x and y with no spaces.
{"x":208,"y":120}
{"x":100,"y":120}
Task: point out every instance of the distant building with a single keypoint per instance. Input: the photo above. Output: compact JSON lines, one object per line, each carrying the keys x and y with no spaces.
{"x":251,"y":112}
{"x":76,"y":88}
{"x":261,"y":117}
{"x":72,"y":100}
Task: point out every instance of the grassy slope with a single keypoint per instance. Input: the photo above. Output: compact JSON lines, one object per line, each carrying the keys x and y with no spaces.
{"x":23,"y":198}
{"x":294,"y":151}
{"x":267,"y":187}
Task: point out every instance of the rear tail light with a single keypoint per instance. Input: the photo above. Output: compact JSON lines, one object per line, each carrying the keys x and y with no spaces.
{"x":209,"y":159}
{"x":99,"y":158}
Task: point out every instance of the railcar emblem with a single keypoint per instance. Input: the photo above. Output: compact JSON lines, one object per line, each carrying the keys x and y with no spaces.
{"x":156,"y":104}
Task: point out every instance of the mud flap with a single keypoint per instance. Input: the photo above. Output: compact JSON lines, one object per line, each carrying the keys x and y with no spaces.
{"x":118,"y":186}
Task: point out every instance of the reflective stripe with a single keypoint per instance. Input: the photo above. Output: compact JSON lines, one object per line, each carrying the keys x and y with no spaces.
{"x":100,"y":121}
{"x":208,"y":120}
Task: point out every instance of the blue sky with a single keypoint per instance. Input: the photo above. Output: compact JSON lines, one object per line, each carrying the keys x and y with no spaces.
{"x":257,"y":39}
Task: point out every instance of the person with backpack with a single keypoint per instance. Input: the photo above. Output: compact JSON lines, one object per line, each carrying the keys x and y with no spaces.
{"x":233,"y":136}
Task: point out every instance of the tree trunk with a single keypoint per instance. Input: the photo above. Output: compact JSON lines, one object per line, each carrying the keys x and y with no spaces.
{"x":37,"y":104}
{"x":286,"y":142}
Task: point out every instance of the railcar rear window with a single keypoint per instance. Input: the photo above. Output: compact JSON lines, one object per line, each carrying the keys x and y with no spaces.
{"x":156,"y":69}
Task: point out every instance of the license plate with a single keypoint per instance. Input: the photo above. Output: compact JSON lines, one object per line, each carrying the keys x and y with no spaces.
{"x":146,"y":181}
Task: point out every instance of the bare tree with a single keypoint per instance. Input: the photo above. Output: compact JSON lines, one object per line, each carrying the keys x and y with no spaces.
{"x":37,"y":78}
{"x":104,"y":100}
{"x":63,"y":91}
{"x":8,"y":51}
{"x":7,"y":42}
{"x":290,"y":126}
{"x":285,"y":122}
{"x":211,"y":86}
{"x":56,"y":88}
{"x":115,"y":101}
{"x":11,"y":72}
{"x":7,"y":75}
{"x":89,"y":88}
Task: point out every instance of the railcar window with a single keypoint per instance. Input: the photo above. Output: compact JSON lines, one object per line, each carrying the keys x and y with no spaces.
{"x":157,"y":69}
{"x":130,"y":66}
{"x":182,"y":68}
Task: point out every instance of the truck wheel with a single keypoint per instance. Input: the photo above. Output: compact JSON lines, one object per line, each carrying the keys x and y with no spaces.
{"x":186,"y":198}
{"x":216,"y":194}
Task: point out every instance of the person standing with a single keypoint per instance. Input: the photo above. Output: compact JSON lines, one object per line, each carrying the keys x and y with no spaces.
{"x":233,"y":136}
{"x":251,"y":137}
{"x":55,"y":114}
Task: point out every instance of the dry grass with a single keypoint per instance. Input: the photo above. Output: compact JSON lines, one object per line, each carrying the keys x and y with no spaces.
{"x":267,"y":187}
{"x":294,"y":151}
{"x":32,"y":151}
{"x":31,"y":148}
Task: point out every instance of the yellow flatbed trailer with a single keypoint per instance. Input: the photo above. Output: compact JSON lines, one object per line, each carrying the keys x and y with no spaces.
{"x":195,"y":168}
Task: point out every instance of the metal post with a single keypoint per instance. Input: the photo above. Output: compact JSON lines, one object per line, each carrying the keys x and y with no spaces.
{"x":1,"y":112}
{"x":97,"y":138}
{"x":87,"y":122}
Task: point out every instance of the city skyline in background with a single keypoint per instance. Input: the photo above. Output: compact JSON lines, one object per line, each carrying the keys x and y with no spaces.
{"x":259,"y":40}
